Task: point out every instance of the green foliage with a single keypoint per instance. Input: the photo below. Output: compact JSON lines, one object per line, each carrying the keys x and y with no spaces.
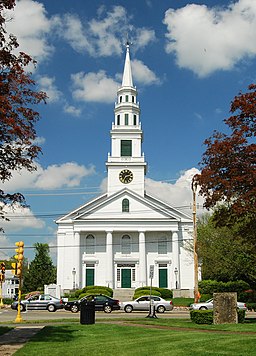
{"x":241,"y":316}
{"x":41,"y":271}
{"x":80,"y":293}
{"x":161,"y":292}
{"x":227,"y":251}
{"x":206,"y":316}
{"x":201,"y":316}
{"x":209,"y":287}
{"x":7,"y":301}
{"x":146,"y":292}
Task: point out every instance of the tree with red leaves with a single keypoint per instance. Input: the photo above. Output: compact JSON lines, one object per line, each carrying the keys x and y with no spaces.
{"x":17,"y":116}
{"x":228,"y":175}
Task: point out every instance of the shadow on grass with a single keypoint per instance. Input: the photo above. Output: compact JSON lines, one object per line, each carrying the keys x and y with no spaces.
{"x":250,"y":321}
{"x":54,"y":334}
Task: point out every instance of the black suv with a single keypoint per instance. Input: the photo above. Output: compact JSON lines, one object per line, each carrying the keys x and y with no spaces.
{"x":102,"y":303}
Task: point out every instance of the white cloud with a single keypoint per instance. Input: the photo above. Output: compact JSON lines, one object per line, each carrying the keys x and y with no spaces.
{"x":20,"y":218}
{"x":30,"y":24}
{"x":54,"y":176}
{"x":47,"y":85}
{"x":72,"y":110}
{"x":143,"y":74}
{"x":178,"y":194}
{"x":97,"y":87}
{"x":208,"y":39}
{"x":101,"y":36}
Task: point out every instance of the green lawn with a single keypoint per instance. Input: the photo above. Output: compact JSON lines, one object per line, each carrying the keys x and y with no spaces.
{"x":121,"y":340}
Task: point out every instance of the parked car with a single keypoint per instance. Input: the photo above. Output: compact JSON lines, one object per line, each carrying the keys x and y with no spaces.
{"x":142,"y":304}
{"x":102,"y":303}
{"x":208,"y":305}
{"x":39,"y":302}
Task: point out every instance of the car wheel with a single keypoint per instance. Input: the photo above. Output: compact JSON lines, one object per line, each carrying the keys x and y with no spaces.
{"x":74,"y":309}
{"x":160,"y":309}
{"x":51,"y":308}
{"x":128,"y":309}
{"x":22,"y":307}
{"x":203,"y":308}
{"x":107,"y":309}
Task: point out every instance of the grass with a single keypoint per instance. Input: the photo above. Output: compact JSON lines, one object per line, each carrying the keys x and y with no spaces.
{"x":124,"y":340}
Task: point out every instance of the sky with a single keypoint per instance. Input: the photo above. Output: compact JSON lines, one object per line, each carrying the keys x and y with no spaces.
{"x":189,"y":60}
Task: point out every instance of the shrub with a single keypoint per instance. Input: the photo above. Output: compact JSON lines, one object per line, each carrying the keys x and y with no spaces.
{"x":205,"y":297}
{"x":210,"y":287}
{"x":164,"y":292}
{"x":7,"y":301}
{"x":206,"y":316}
{"x":97,"y":290}
{"x":241,"y":316}
{"x":146,"y":292}
{"x":201,"y":316}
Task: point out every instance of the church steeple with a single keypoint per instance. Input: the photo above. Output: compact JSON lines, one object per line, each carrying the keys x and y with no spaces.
{"x":126,"y":164}
{"x":127,"y":75}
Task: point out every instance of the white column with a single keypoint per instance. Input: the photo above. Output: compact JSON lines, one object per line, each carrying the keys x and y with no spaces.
{"x":77,"y":262}
{"x":142,"y":256}
{"x":110,"y":262}
{"x":176,"y":258}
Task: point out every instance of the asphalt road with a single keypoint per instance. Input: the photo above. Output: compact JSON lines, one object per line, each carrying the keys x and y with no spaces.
{"x":7,"y":315}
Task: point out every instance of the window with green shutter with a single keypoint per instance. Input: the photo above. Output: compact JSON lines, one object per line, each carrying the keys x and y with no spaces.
{"x":134,"y":120}
{"x":126,"y":118}
{"x":126,"y":98}
{"x":126,"y":148}
{"x":118,"y":119}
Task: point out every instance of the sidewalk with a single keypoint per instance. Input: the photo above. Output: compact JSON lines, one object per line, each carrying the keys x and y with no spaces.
{"x":13,"y":340}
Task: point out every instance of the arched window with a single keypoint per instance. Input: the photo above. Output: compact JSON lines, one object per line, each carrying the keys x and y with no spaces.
{"x":162,"y":245}
{"x":90,"y":244}
{"x":126,"y":245}
{"x":125,"y":206}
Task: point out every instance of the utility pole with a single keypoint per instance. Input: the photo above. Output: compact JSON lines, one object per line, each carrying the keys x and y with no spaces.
{"x":196,"y":293}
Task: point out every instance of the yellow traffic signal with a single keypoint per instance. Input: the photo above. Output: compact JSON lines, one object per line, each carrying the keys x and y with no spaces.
{"x":14,"y":268}
{"x":19,"y":257}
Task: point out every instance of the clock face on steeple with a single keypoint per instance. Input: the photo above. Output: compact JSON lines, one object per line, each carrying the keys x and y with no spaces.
{"x":125,"y":176}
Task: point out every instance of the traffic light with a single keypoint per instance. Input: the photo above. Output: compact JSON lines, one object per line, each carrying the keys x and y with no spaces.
{"x":2,"y":272}
{"x":19,"y":257}
{"x":3,"y":267}
{"x":14,"y":268}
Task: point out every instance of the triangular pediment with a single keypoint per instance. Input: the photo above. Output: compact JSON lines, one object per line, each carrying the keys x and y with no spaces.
{"x":141,"y":208}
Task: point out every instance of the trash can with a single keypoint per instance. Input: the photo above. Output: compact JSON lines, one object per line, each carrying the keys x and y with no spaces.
{"x":87,"y":312}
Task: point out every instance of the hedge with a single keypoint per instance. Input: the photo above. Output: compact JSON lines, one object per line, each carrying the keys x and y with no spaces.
{"x":164,"y":292}
{"x":210,"y":286}
{"x":206,"y":316}
{"x":146,"y":292}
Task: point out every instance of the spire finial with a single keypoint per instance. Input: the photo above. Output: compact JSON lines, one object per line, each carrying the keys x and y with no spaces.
{"x":127,"y":75}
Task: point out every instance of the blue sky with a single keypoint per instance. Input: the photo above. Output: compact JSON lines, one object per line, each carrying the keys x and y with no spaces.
{"x":189,"y":59}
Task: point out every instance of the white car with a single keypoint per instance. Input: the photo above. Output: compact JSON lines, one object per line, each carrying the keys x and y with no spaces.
{"x":142,"y":304}
{"x":208,"y":305}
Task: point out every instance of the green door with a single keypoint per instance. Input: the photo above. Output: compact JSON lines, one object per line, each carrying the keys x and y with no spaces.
{"x":163,"y":278}
{"x":126,"y":278}
{"x":89,"y":278}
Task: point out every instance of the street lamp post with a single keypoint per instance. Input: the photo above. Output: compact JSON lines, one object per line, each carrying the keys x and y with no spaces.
{"x":176,"y":277}
{"x":74,"y":278}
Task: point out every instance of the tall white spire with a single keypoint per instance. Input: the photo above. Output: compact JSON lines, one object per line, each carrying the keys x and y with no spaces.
{"x":127,"y":75}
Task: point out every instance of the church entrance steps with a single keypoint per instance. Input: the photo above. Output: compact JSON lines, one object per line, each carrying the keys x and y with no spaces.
{"x":123,"y":294}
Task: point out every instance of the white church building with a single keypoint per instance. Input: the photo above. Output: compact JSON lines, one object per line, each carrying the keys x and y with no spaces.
{"x":113,"y":240}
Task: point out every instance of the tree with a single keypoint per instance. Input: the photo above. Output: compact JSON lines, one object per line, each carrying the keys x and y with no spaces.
{"x":41,"y":270}
{"x":227,"y":253}
{"x":17,"y":116}
{"x":228,"y":172}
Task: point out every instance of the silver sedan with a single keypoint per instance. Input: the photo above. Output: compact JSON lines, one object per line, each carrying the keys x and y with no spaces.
{"x":143,"y":303}
{"x":208,"y":305}
{"x":39,"y":302}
